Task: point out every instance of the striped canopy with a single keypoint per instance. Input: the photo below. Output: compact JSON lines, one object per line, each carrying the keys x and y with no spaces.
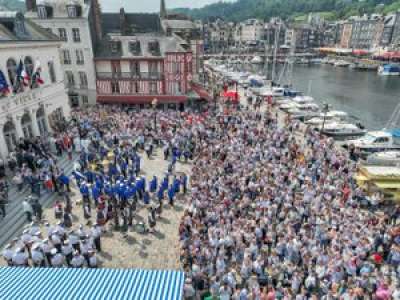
{"x":87,"y":284}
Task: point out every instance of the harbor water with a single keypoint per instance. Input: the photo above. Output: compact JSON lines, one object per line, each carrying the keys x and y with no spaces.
{"x":364,"y":95}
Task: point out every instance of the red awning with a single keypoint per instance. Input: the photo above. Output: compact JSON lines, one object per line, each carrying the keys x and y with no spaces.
{"x":233,"y":95}
{"x":389,"y":55}
{"x":360,"y":52}
{"x":145,"y":99}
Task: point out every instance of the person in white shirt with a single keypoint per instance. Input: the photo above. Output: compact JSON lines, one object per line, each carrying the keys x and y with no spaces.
{"x":8,"y":254}
{"x":37,"y":256}
{"x":77,"y":261}
{"x":92,"y":259}
{"x":57,"y":260}
{"x":20,"y":258}
{"x":67,"y":251}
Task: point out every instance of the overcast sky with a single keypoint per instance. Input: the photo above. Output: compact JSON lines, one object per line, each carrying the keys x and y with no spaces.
{"x":149,"y":5}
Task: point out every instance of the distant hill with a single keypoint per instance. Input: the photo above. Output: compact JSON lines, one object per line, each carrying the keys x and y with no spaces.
{"x":289,"y":9}
{"x":12,"y":5}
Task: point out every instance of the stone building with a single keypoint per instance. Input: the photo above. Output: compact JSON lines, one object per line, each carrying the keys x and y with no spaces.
{"x":77,"y":24}
{"x":29,"y":107}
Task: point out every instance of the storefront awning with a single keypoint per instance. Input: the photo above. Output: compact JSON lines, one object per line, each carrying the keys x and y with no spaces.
{"x":388,"y":185}
{"x":88,"y":284}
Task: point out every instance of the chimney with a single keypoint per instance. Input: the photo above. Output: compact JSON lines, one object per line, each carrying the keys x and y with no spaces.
{"x":30,"y":5}
{"x":97,"y":19}
{"x":122,"y":22}
{"x":163,"y":10}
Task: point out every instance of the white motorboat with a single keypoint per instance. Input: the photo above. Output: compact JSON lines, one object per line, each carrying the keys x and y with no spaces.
{"x":303,"y":99}
{"x":331,"y":116}
{"x":341,"y":63}
{"x":287,"y":106}
{"x":304,"y":111}
{"x":256,"y":60}
{"x":386,"y":158}
{"x":342,"y":130}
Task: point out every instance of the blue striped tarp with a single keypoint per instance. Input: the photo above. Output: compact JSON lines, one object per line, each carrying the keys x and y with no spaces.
{"x":88,"y":284}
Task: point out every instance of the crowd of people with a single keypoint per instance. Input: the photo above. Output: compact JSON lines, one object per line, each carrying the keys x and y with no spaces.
{"x":274,"y":213}
{"x":272,"y":209}
{"x":108,"y":174}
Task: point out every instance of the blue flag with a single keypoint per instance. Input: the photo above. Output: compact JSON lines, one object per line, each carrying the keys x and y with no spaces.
{"x":3,"y":84}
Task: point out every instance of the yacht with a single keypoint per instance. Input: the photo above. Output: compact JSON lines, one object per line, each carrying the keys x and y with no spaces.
{"x":341,"y":63}
{"x":256,"y":60}
{"x":342,"y":130}
{"x":386,"y":158}
{"x":331,"y":116}
{"x":304,"y":111}
{"x":389,"y":70}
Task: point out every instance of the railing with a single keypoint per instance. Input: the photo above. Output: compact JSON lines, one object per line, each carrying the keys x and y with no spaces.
{"x":131,"y":76}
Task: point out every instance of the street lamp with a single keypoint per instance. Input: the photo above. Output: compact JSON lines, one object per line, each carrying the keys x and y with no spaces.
{"x":325,"y":110}
{"x":154,"y":104}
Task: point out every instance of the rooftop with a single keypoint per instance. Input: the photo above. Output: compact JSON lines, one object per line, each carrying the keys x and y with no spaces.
{"x":15,"y":27}
{"x":136,"y":22}
{"x":60,"y":7}
{"x":124,"y":44}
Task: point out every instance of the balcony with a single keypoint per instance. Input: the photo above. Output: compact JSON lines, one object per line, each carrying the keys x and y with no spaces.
{"x":130,"y":76}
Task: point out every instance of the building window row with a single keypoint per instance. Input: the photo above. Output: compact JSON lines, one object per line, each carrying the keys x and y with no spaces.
{"x":70,"y":79}
{"x":66,"y":57}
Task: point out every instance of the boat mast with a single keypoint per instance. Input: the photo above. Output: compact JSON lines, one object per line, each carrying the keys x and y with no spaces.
{"x":394,"y":119}
{"x":277,"y":34}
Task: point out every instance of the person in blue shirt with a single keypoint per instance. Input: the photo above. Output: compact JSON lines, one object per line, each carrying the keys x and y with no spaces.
{"x":84,"y":192}
{"x":99,"y":183}
{"x":79,"y":177}
{"x":95,"y":194}
{"x":139,"y":188}
{"x":89,"y":176}
{"x":171,"y":195}
{"x":176,"y":185}
{"x":153,"y":184}
{"x":160,"y":194}
{"x":137,"y":165}
{"x":165,"y":183}
{"x":146,"y":198}
{"x":64,"y":179}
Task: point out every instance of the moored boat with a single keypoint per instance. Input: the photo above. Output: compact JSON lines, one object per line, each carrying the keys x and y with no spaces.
{"x":389,"y":70}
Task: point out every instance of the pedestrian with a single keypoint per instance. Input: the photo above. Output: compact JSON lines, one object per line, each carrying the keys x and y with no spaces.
{"x":27,"y":208}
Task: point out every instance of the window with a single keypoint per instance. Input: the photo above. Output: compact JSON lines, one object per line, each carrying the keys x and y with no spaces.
{"x":76,"y":36}
{"x":134,"y":48}
{"x":12,"y":71}
{"x":62,"y":33}
{"x":135,"y":68}
{"x":153,"y":87}
{"x":83,"y":79}
{"x":80,"y":60}
{"x":28,"y":62}
{"x":115,"y":46}
{"x":52,"y":73}
{"x":136,"y":87}
{"x":85,"y":99}
{"x":69,"y":76}
{"x":153,"y":69}
{"x":42,"y":12}
{"x":71,"y":10}
{"x":114,"y":87}
{"x":66,"y":57}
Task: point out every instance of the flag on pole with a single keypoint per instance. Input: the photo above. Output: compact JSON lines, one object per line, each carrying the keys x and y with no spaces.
{"x":25,"y":78}
{"x":36,"y":73}
{"x":4,"y":89}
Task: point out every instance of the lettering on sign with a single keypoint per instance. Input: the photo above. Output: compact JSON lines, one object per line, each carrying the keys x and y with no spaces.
{"x":20,"y":100}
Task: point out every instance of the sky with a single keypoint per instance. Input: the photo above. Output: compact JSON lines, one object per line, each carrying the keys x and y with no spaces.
{"x":150,"y":5}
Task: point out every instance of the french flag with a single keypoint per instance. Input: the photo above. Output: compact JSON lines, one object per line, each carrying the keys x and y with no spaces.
{"x":36,"y":73}
{"x":4,"y":88}
{"x":25,"y":76}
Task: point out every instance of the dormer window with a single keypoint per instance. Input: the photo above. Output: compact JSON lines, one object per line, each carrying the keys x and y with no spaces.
{"x":134,"y":48}
{"x":154,"y":48}
{"x":74,"y":11}
{"x":44,"y":11}
{"x":115,"y":47}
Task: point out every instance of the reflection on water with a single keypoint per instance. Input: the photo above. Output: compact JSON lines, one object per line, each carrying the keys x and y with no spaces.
{"x":363,"y":94}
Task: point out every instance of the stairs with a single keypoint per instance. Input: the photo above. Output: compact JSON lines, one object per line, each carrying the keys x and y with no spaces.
{"x":15,"y":219}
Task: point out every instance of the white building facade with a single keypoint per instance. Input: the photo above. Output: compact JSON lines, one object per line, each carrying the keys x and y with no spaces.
{"x":73,"y":23}
{"x":251,"y":30}
{"x":32,"y":110}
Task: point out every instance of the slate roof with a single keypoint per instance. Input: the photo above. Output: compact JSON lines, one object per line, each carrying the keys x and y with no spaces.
{"x":9,"y":31}
{"x":138,"y":22}
{"x":166,"y":44}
